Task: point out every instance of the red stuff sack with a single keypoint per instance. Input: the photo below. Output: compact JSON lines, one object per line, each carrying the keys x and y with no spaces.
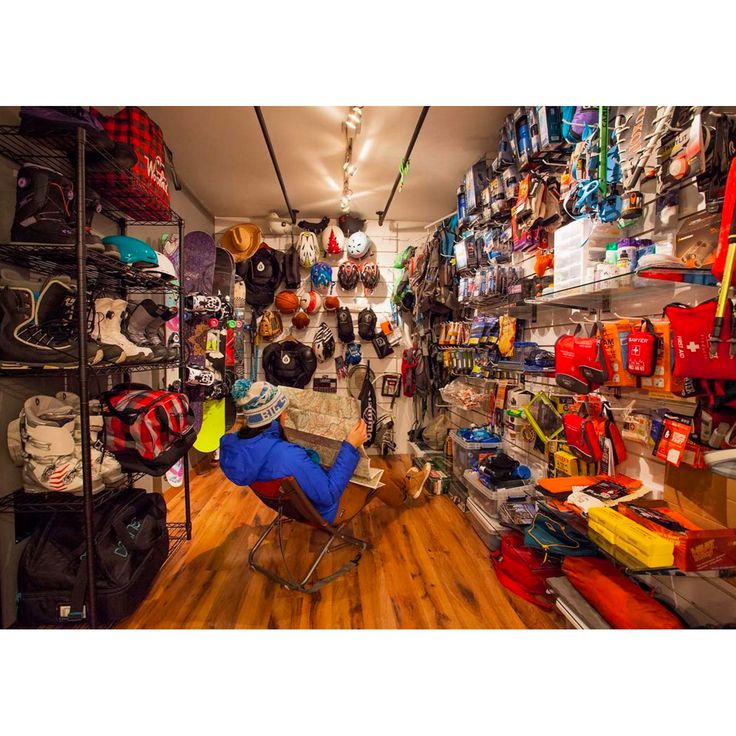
{"x":692,"y":328}
{"x":581,"y":363}
{"x":522,"y":570}
{"x":143,"y":192}
{"x":622,"y":603}
{"x":582,"y":437}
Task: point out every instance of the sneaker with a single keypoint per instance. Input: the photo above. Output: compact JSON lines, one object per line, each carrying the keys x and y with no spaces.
{"x":416,"y":480}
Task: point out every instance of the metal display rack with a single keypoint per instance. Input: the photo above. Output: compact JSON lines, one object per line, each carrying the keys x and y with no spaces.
{"x":70,"y":154}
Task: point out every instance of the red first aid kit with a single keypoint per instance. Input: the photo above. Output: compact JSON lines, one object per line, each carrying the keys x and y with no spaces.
{"x":582,"y":437}
{"x":581,"y":363}
{"x":692,"y":328}
{"x":641,"y":357}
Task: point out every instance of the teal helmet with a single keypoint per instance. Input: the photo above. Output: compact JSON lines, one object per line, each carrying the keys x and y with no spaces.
{"x":132,"y":250}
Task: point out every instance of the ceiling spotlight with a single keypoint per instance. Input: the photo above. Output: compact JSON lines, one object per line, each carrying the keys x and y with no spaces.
{"x":354,"y":116}
{"x":352,"y":169}
{"x":357,"y":109}
{"x":350,"y":124}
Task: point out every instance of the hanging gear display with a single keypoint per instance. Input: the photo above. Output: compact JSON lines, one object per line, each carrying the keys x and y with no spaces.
{"x":381,"y":345}
{"x":368,"y":406}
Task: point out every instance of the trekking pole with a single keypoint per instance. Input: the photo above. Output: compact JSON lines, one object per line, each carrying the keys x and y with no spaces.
{"x":603,"y":150}
{"x":723,"y":301}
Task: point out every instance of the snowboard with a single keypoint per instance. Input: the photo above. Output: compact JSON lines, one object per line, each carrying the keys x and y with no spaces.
{"x":200,"y":253}
{"x":239,"y":333}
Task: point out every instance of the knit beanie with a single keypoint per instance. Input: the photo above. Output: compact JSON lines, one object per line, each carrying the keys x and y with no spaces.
{"x":260,"y":402}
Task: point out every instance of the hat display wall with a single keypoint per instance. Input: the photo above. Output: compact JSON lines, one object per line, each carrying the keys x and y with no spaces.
{"x":242,"y":241}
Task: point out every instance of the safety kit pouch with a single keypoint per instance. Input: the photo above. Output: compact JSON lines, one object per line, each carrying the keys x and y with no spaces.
{"x":692,"y":329}
{"x":582,"y":438}
{"x":592,"y":357}
{"x":567,"y":370}
{"x":641,"y":359}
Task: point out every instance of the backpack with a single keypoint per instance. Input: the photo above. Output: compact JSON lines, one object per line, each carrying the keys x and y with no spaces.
{"x":262,"y":275}
{"x":345,"y":330}
{"x":522,"y":570}
{"x":147,"y":430}
{"x":131,"y":545}
{"x":292,"y":277}
{"x":289,"y":363}
{"x":367,"y":324}
{"x":432,"y":298}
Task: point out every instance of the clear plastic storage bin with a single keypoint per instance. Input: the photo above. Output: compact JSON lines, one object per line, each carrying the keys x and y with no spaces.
{"x":488,"y":499}
{"x":487,"y":529}
{"x":466,"y":455}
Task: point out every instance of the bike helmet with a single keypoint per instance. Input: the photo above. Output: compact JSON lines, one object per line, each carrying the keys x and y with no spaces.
{"x":350,"y":224}
{"x":132,"y":251}
{"x":358,"y":245}
{"x":369,"y":275}
{"x":321,"y":275}
{"x":324,"y":343}
{"x":310,"y":301}
{"x":333,"y":240}
{"x":164,"y":269}
{"x":348,"y":275}
{"x":307,"y":248}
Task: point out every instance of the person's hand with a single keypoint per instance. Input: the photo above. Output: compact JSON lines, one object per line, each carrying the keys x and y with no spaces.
{"x":358,"y":435}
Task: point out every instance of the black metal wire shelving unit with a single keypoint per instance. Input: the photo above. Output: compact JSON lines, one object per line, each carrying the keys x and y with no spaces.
{"x":73,"y":155}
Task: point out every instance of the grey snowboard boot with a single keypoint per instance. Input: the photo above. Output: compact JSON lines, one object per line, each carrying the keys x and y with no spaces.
{"x":142,"y":327}
{"x":106,"y":330}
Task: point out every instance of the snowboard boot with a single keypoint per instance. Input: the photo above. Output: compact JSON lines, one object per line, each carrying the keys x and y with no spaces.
{"x":92,"y":207}
{"x":103,"y":462}
{"x":47,"y":437}
{"x":38,"y":331}
{"x":138,"y":324}
{"x":106,"y":331}
{"x":43,"y":206}
{"x":156,"y":334}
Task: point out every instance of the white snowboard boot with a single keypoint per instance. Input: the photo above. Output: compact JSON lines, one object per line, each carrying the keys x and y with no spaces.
{"x":106,"y":330}
{"x":103,"y":462}
{"x":47,"y":438}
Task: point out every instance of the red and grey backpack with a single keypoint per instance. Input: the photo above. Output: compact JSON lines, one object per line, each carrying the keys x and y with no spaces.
{"x":147,"y":430}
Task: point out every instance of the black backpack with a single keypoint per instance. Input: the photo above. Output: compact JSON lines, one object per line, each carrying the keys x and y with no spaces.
{"x":292,"y":277}
{"x":289,"y":363}
{"x":345,"y":330}
{"x":262,"y":274}
{"x":367,"y":324}
{"x":131,"y":545}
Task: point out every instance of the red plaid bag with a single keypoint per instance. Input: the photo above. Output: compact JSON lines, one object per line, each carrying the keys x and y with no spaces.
{"x":147,"y":430}
{"x":143,"y":192}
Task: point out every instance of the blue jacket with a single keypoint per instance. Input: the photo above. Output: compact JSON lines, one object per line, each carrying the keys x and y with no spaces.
{"x":269,"y":456}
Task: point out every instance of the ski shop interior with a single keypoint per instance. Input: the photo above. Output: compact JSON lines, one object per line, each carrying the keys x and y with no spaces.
{"x":529,"y":308}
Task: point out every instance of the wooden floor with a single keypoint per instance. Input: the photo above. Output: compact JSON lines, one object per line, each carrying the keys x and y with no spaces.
{"x":427,"y":569}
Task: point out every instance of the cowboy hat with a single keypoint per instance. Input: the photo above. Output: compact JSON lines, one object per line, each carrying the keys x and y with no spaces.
{"x":242,"y":241}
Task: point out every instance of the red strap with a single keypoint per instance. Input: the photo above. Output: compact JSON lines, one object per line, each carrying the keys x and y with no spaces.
{"x":514,"y":586}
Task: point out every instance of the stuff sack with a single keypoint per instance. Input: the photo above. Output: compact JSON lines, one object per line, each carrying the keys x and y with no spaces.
{"x":131,"y":545}
{"x":622,"y":603}
{"x":582,"y":437}
{"x":553,"y":537}
{"x":692,"y":328}
{"x":147,"y":430}
{"x":523,"y":571}
{"x":581,"y":363}
{"x":143,"y":192}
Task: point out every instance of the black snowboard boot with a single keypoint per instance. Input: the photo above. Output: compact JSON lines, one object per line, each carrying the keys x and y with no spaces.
{"x":139,"y":328}
{"x":160,"y":315}
{"x":44,"y":211}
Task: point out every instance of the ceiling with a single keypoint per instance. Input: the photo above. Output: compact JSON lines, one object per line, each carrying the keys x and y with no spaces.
{"x":220,"y":154}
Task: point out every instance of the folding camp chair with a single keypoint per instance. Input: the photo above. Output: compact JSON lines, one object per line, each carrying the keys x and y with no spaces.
{"x":290,"y":503}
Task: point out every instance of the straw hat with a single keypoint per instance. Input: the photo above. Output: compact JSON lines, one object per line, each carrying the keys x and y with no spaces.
{"x":242,"y":241}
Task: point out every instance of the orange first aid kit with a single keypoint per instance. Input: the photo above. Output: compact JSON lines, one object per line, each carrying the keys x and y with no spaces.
{"x":663,"y":378}
{"x":696,"y":549}
{"x":615,"y":339}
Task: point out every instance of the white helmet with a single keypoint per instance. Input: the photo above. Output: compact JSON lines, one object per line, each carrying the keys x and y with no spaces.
{"x":333,"y":239}
{"x":164,"y":269}
{"x":308,"y":249}
{"x":279,"y":225}
{"x":358,"y":245}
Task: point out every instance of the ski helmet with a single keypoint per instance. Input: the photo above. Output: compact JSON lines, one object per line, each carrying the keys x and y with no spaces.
{"x":333,"y":240}
{"x":324,"y":343}
{"x":348,"y":275}
{"x":370,"y":275}
{"x":358,"y":245}
{"x":164,"y":269}
{"x":307,"y":248}
{"x":321,"y":275}
{"x":132,"y":250}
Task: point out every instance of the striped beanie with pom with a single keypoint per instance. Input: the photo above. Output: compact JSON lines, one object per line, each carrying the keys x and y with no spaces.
{"x":260,"y":402}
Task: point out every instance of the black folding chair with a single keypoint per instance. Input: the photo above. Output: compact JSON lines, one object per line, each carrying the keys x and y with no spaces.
{"x":290,"y":503}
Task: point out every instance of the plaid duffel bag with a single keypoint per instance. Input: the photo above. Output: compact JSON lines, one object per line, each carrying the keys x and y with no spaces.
{"x":147,"y":430}
{"x":143,"y":192}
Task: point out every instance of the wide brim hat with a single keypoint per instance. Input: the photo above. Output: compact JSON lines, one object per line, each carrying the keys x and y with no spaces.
{"x":242,"y":241}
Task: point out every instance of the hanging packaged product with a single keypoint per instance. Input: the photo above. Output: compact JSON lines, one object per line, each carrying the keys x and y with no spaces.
{"x":641,"y":354}
{"x":616,"y":344}
{"x":673,"y":440}
{"x":507,"y":335}
{"x":581,"y":363}
{"x":663,"y":378}
{"x":582,"y":437}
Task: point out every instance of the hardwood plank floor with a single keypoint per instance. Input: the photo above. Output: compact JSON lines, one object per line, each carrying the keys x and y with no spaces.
{"x":427,"y":569}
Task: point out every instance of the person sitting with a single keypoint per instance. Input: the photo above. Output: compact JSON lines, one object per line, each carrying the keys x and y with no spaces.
{"x":257,"y":450}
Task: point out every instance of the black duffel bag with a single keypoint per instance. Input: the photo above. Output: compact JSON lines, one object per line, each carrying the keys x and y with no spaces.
{"x":131,"y":544}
